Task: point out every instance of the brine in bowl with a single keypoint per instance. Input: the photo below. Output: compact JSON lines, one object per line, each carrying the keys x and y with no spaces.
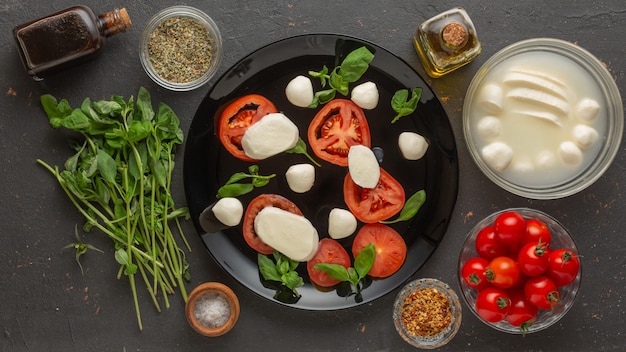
{"x":543,"y":118}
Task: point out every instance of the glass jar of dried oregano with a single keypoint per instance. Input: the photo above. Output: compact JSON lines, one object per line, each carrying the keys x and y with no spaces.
{"x":181,"y":48}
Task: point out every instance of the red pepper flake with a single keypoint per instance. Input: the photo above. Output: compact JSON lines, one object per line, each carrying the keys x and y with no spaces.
{"x":426,"y":312}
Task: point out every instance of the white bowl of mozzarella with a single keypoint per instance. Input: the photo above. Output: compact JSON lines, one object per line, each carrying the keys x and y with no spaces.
{"x":543,"y":118}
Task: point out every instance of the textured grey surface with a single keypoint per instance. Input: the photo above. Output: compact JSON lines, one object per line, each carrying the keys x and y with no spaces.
{"x":45,"y":303}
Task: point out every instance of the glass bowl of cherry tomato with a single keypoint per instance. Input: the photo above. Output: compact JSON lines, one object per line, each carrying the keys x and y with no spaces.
{"x":519,"y":270}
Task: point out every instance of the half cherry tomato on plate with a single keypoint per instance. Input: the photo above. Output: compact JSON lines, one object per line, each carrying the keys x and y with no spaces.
{"x":389,"y":245}
{"x":339,"y":125}
{"x":374,"y":204}
{"x":329,"y":251}
{"x":255,"y":206}
{"x":237,"y":117}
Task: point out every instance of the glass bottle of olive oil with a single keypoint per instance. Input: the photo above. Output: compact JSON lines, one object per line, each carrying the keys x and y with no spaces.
{"x":59,"y":40}
{"x":446,"y":42}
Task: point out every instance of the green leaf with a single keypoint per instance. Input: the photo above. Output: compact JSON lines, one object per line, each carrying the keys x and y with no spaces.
{"x":144,"y":105}
{"x":106,"y":107}
{"x":364,"y":260}
{"x":301,"y":148}
{"x":411,"y":207}
{"x":402,"y":106}
{"x":336,"y":271}
{"x":268,"y":268}
{"x":355,"y":64}
{"x":139,"y":130}
{"x":292,"y":280}
{"x":106,"y":166}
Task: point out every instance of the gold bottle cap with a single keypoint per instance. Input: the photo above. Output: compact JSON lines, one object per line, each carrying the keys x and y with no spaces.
{"x":454,"y":34}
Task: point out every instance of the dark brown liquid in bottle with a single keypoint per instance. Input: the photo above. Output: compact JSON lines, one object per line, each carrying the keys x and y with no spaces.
{"x":62,"y":39}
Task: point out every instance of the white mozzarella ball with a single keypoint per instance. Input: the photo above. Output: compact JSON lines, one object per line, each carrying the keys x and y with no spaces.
{"x":341,"y":223}
{"x":490,"y":98}
{"x":489,"y":127}
{"x":299,"y":91}
{"x":413,"y":146}
{"x":363,"y":166}
{"x":228,"y":211}
{"x":570,"y":153}
{"x":584,"y":136}
{"x":365,"y":95}
{"x":497,"y":155}
{"x":587,"y":110}
{"x":300,"y":177}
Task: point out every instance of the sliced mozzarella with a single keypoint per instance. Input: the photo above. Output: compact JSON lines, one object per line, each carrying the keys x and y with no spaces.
{"x":271,"y":135}
{"x":540,"y":115}
{"x":363,"y":166}
{"x":412,"y":145}
{"x":539,"y":98}
{"x":587,"y":110}
{"x":228,"y":211}
{"x":365,"y":95}
{"x":541,"y":74}
{"x":300,"y":177}
{"x":292,"y":235}
{"x":341,"y":223}
{"x":299,"y":91}
{"x":584,"y":136}
{"x":570,"y":153}
{"x":521,"y":79}
{"x":497,"y":155}
{"x":489,"y":127}
{"x":490,"y":98}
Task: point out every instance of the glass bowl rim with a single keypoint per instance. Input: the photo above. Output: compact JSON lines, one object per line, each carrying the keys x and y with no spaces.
{"x":613,"y":102}
{"x":181,"y":11}
{"x":571,"y":294}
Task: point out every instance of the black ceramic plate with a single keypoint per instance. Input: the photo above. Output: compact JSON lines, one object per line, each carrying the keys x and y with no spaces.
{"x":207,"y":165}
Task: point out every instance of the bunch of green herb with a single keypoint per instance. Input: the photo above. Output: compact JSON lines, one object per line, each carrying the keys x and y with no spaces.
{"x":402,"y":105}
{"x":234,"y":188}
{"x":410,"y":209}
{"x":280,"y":274}
{"x":351,"y":69}
{"x":356,"y":276}
{"x":119,"y":179}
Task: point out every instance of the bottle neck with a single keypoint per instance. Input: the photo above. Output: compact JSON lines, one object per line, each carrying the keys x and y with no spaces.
{"x":114,"y":22}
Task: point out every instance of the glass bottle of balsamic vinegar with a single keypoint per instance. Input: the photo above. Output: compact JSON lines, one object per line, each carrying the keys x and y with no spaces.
{"x":62,"y":39}
{"x":446,"y":42}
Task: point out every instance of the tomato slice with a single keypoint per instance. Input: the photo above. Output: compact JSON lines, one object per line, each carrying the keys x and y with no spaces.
{"x":390,"y":248}
{"x":339,"y":125}
{"x":374,"y":204}
{"x":329,"y":251}
{"x":237,"y":117}
{"x":255,"y":206}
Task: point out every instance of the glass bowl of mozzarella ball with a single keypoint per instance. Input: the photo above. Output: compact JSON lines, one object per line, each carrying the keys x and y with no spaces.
{"x":543,"y":118}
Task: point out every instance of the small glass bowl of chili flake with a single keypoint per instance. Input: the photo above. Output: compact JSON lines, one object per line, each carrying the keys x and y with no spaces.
{"x":427,"y":313}
{"x":181,"y":48}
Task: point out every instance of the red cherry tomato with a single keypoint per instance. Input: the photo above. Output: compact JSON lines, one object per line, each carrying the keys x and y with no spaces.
{"x":563,"y":267}
{"x":237,"y":117}
{"x":542,"y":292}
{"x":255,"y":206}
{"x":522,"y":312}
{"x":339,"y":125}
{"x":533,"y":258}
{"x":372,"y":205}
{"x":537,"y":230}
{"x":492,"y":304}
{"x":473,"y":272}
{"x":502,"y":272}
{"x":510,"y":227}
{"x":487,"y":246}
{"x":390,"y":248}
{"x":329,"y":251}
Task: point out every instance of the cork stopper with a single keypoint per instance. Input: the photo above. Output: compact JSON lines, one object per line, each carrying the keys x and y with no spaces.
{"x":454,"y":34}
{"x":125,"y":18}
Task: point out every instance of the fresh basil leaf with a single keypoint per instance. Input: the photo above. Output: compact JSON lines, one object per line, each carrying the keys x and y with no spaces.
{"x":268,"y":268}
{"x":364,"y":260}
{"x":411,"y":207}
{"x":355,"y":64}
{"x":336,"y":271}
{"x":234,"y":190}
{"x":292,"y":280}
{"x":402,"y":106}
{"x":106,"y":165}
{"x":301,"y":148}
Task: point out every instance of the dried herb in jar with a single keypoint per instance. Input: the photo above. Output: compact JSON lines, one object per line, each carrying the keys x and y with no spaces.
{"x":180,"y":49}
{"x":426,"y":312}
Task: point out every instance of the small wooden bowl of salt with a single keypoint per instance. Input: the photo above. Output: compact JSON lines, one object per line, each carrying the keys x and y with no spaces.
{"x":212,"y":309}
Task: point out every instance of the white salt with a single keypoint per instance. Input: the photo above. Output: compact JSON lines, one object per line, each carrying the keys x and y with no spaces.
{"x":212,"y":310}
